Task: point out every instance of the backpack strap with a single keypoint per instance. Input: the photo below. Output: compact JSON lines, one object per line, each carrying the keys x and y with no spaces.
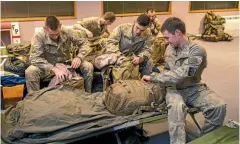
{"x":154,"y":107}
{"x":106,"y":77}
{"x":124,"y":84}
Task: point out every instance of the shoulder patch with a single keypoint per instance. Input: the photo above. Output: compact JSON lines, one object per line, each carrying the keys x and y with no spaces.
{"x":191,"y":71}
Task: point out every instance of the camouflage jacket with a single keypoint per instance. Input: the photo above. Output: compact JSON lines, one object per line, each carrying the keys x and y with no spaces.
{"x":93,"y":25}
{"x":122,"y":41}
{"x":184,"y":67}
{"x":45,"y":53}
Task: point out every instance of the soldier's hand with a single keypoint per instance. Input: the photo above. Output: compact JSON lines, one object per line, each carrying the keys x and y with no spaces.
{"x":61,"y":76}
{"x":146,"y":78}
{"x":90,"y":35}
{"x":137,"y":60}
{"x":76,"y":63}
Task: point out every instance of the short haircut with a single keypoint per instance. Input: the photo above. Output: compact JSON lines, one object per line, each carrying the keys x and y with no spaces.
{"x":151,"y":9}
{"x":173,"y":23}
{"x":109,"y":16}
{"x":52,"y":22}
{"x":143,"y":20}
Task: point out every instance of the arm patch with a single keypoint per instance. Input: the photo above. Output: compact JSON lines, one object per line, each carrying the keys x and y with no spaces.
{"x":191,"y":71}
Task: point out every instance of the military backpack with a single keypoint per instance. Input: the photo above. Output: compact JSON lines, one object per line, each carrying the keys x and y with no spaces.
{"x":127,"y":97}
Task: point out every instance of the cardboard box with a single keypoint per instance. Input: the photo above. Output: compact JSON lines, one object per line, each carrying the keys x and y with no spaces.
{"x":13,"y":92}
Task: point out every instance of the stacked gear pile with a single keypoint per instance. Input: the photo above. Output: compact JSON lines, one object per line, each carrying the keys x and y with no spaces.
{"x":214,"y":28}
{"x":96,"y":49}
{"x":159,"y":48}
{"x":19,"y":49}
{"x":95,"y":44}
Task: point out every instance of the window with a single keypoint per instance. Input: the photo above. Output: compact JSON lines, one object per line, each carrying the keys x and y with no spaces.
{"x":131,"y":8}
{"x":204,"y":6}
{"x":36,"y":10}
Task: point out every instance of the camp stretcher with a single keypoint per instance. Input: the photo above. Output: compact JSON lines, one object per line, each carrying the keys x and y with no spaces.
{"x":223,"y":135}
{"x":115,"y":129}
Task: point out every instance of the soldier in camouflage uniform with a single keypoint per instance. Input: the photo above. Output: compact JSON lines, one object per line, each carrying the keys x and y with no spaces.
{"x":155,"y":25}
{"x":95,"y":27}
{"x":185,"y":62}
{"x":51,"y":45}
{"x":126,"y":39}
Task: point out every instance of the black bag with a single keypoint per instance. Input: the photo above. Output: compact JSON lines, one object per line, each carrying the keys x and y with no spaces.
{"x":16,"y":66}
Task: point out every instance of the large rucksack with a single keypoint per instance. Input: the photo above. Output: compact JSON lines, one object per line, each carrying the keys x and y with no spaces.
{"x":128,"y":96}
{"x":123,"y":69}
{"x":97,"y":49}
{"x":158,"y":48}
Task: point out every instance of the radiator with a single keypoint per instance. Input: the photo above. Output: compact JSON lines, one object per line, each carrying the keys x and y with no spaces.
{"x":232,"y":25}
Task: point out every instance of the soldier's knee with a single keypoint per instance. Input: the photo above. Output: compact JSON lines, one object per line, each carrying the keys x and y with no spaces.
{"x":89,"y":67}
{"x":31,"y":71}
{"x":150,"y":63}
{"x":220,"y":106}
{"x":177,"y":105}
{"x":146,"y":67}
{"x":216,"y":114}
{"x":221,"y":109}
{"x":175,"y":101}
{"x":222,"y":103}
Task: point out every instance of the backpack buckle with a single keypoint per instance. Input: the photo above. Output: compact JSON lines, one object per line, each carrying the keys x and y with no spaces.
{"x":154,"y":105}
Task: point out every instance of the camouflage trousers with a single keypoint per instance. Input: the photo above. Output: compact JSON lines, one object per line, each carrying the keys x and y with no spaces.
{"x":201,"y":97}
{"x":34,"y":75}
{"x":145,"y":68}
